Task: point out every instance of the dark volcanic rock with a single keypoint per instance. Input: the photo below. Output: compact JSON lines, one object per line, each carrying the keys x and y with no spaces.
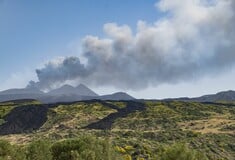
{"x":106,"y":123}
{"x":24,"y":119}
{"x":27,"y":118}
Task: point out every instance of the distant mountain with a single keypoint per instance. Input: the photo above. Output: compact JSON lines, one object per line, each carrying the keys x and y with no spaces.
{"x":228,"y":96}
{"x":80,"y":90}
{"x":23,"y":93}
{"x":59,"y":98}
{"x":27,"y":90}
{"x":66,"y":93}
{"x":74,"y":97}
{"x":117,"y":96}
{"x":221,"y":96}
{"x":10,"y":97}
{"x":85,"y":91}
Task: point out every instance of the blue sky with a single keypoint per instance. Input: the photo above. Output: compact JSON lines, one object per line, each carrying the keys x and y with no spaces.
{"x":33,"y":32}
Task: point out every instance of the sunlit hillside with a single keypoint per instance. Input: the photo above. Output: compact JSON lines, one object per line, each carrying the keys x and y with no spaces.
{"x":131,"y":129}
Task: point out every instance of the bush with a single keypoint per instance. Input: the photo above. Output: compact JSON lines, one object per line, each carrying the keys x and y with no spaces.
{"x":84,"y":148}
{"x":39,"y":150}
{"x":181,"y":152}
{"x":5,"y":149}
{"x":8,"y":151}
{"x":18,"y":152}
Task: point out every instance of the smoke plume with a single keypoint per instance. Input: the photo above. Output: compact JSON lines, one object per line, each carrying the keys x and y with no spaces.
{"x":193,"y":39}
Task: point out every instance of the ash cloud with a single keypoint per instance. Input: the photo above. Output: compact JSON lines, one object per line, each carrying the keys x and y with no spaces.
{"x":194,"y":39}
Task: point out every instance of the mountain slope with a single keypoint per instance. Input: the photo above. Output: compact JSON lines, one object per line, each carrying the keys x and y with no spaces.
{"x":26,"y":90}
{"x":221,"y":96}
{"x":228,"y":96}
{"x":66,"y":93}
{"x":80,"y":90}
{"x":85,"y":90}
{"x":117,"y":96}
{"x":23,"y":93}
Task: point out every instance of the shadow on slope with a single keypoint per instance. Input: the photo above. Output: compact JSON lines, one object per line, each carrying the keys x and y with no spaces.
{"x":27,"y":118}
{"x":24,"y":119}
{"x":106,"y":123}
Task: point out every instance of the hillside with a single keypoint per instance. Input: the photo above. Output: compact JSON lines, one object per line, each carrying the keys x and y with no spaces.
{"x":81,"y":90}
{"x":145,"y":127}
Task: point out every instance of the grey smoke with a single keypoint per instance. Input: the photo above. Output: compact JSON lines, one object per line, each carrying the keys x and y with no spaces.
{"x":195,"y":38}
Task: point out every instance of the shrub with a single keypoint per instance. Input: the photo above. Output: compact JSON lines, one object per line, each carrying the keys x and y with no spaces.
{"x":8,"y":151}
{"x":39,"y":150}
{"x":5,"y":149}
{"x":84,"y":148}
{"x":181,"y":152}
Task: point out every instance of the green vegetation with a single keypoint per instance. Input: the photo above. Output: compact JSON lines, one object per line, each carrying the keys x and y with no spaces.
{"x":38,"y":150}
{"x":8,"y":151}
{"x":88,"y":148}
{"x":75,"y":116}
{"x":162,"y":131}
{"x":181,"y":152}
